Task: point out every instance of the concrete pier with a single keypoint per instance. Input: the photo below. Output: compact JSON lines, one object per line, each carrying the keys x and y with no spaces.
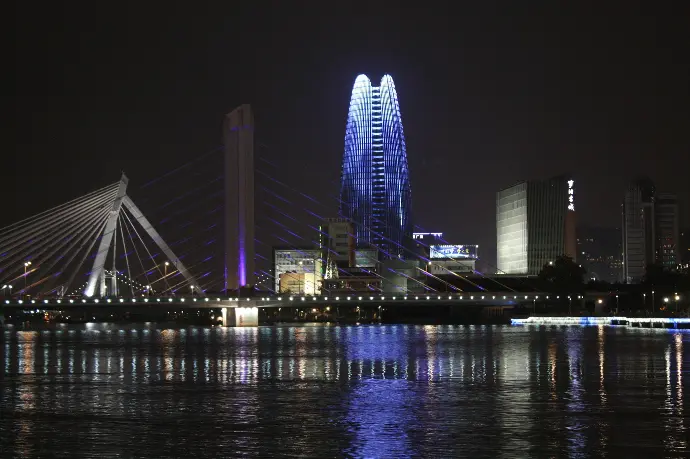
{"x":240,"y":316}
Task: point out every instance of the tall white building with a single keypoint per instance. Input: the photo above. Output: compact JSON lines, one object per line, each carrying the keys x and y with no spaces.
{"x":535,"y":224}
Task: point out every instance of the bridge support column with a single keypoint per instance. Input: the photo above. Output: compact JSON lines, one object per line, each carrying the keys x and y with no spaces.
{"x":238,"y":138}
{"x":240,"y":317}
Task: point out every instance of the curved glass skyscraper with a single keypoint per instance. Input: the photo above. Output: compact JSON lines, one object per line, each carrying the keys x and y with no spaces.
{"x":375,"y":183}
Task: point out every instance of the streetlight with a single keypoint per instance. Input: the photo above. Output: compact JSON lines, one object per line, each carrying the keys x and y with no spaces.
{"x":26,"y":265}
{"x":645,"y":301}
{"x":653,"y":303}
{"x":166,"y":268}
{"x":616,"y":304}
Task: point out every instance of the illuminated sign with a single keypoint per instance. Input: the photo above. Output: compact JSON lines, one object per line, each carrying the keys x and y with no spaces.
{"x":453,"y":251}
{"x":421,"y":235}
{"x":366,"y":258}
{"x":571,"y":195}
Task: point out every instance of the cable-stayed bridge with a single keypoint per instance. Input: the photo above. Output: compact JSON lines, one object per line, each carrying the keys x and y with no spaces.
{"x":193,"y":244}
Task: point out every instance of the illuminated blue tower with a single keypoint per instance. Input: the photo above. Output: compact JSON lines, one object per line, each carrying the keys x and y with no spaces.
{"x":375,"y":183}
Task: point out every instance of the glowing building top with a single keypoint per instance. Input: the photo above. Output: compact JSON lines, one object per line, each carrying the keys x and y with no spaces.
{"x":375,"y":183}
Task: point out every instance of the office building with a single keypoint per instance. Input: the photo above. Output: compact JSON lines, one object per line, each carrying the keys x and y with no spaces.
{"x":375,"y":184}
{"x":667,"y":230}
{"x":300,"y":283}
{"x":650,"y":230}
{"x":298,"y":261}
{"x":337,"y":239}
{"x":535,"y":224}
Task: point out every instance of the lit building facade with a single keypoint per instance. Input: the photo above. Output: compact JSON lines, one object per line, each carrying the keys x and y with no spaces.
{"x":535,"y":224}
{"x":375,"y":184}
{"x":298,"y":261}
{"x":300,"y":283}
{"x":338,"y":241}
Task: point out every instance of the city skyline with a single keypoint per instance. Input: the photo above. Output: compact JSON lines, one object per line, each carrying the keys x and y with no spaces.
{"x":474,"y":120}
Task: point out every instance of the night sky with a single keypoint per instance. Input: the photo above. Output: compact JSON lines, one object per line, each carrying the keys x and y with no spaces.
{"x":490,"y":93}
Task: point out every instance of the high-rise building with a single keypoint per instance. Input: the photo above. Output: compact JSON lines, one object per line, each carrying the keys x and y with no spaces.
{"x":337,"y":239}
{"x":535,"y":224}
{"x":375,"y":184}
{"x":306,"y":262}
{"x":650,"y":230}
{"x":638,"y":229}
{"x":667,"y":230}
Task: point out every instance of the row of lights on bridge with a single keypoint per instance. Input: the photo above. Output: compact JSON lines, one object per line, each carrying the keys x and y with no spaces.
{"x":315,"y":298}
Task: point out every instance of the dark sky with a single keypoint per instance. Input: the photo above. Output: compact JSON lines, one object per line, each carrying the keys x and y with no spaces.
{"x":490,"y":93}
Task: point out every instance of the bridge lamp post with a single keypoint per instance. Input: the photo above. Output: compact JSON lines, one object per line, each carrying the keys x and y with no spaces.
{"x":644,"y":295}
{"x":653,"y":302}
{"x":26,"y":265}
{"x":677,"y":298}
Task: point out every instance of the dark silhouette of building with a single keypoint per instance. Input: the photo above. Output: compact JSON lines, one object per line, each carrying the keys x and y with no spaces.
{"x":600,"y":252}
{"x":650,"y":230}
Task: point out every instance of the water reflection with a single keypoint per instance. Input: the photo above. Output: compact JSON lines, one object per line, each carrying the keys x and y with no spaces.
{"x":396,"y":391}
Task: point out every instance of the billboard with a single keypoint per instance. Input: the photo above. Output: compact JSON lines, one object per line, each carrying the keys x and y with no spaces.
{"x":453,"y":251}
{"x":366,"y":258}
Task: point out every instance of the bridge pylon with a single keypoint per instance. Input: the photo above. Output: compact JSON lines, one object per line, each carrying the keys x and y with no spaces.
{"x":97,"y":276}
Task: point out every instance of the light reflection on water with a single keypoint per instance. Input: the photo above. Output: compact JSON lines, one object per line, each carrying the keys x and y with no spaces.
{"x":367,"y":391}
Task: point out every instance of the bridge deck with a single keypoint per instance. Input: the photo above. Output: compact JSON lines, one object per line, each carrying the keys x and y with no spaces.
{"x":485,"y":299}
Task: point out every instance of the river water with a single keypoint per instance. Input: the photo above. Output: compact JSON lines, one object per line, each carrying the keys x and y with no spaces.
{"x":359,"y":391}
